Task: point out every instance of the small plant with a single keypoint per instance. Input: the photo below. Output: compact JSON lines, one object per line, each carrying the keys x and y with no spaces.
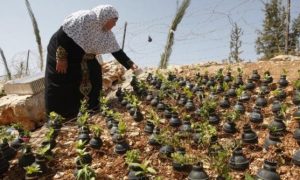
{"x":219,"y":163}
{"x":182,"y":158}
{"x":188,"y":92}
{"x":153,"y":117}
{"x":134,"y":101}
{"x":4,"y":135}
{"x":232,"y":116}
{"x":80,"y":144}
{"x":144,"y":168}
{"x":219,"y":74}
{"x":132,"y":156}
{"x":207,"y":131}
{"x":284,"y":71}
{"x":282,"y":111}
{"x":102,"y":99}
{"x":186,"y":117}
{"x":239,"y":91}
{"x":248,"y":176}
{"x":17,"y":126}
{"x":83,"y":106}
{"x":297,"y":82}
{"x":225,"y":86}
{"x":97,"y":130}
{"x":50,"y":134}
{"x":228,"y":68}
{"x":82,"y":120}
{"x":53,"y":116}
{"x":82,"y":157}
{"x":32,"y":169}
{"x":240,"y":71}
{"x":276,"y":92}
{"x":208,"y":107}
{"x":122,"y":128}
{"x":43,"y":152}
{"x":86,"y":173}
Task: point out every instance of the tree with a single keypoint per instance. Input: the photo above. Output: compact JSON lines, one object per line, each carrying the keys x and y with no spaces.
{"x":36,"y":32}
{"x":235,"y":44}
{"x":271,"y":40}
{"x":170,"y":40}
{"x":295,"y":35}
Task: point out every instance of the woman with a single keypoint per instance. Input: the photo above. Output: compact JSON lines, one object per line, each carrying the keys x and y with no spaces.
{"x":72,"y":71}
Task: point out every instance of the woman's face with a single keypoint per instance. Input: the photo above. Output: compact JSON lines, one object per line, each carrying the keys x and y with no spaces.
{"x":110,"y":24}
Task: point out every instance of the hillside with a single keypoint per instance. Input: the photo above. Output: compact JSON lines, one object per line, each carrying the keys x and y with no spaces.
{"x":108,"y":164}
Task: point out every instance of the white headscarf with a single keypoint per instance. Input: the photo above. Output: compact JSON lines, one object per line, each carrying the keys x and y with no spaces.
{"x":85,"y":27}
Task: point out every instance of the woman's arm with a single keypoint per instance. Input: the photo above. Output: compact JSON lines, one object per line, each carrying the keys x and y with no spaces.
{"x":124,"y":60}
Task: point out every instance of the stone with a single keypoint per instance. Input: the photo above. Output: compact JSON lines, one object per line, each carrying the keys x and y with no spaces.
{"x":112,"y":72}
{"x":29,"y":110}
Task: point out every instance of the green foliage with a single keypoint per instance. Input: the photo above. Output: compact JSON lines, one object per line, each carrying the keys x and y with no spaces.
{"x":103,"y":100}
{"x":206,"y":130}
{"x":297,"y":84}
{"x":182,"y":158}
{"x":122,"y":128}
{"x":97,"y":130}
{"x":219,"y":163}
{"x":81,"y":153}
{"x":284,"y":71}
{"x":132,"y":156}
{"x":82,"y":120}
{"x":225,"y":86}
{"x":153,"y":117}
{"x":270,"y":40}
{"x":53,"y":116}
{"x":144,"y":168}
{"x":32,"y":169}
{"x":18,"y":126}
{"x":294,"y":36}
{"x":240,"y":71}
{"x":248,"y":176}
{"x":188,"y":92}
{"x":283,"y":110}
{"x":219,"y":73}
{"x":83,"y":106}
{"x":4,"y":135}
{"x":80,"y":144}
{"x":49,"y":135}
{"x":207,"y":107}
{"x":232,"y":116}
{"x":42,"y":151}
{"x":186,"y":117}
{"x":239,"y":91}
{"x":86,"y":173}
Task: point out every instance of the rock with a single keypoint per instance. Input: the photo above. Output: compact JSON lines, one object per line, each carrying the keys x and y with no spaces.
{"x":285,"y":58}
{"x":29,"y":110}
{"x":112,"y":72}
{"x":133,"y":134}
{"x":58,"y":175}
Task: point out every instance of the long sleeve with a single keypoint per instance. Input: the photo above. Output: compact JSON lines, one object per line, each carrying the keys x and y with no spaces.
{"x":62,"y":40}
{"x":123,"y":59}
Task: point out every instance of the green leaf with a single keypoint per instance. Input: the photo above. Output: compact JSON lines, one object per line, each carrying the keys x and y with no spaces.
{"x":151,"y":170}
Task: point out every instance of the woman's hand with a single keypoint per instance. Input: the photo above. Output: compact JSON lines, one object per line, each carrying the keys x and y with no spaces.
{"x":62,"y":66}
{"x":134,"y":67}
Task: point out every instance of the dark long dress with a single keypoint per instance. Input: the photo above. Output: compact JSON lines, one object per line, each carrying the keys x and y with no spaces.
{"x":63,"y":92}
